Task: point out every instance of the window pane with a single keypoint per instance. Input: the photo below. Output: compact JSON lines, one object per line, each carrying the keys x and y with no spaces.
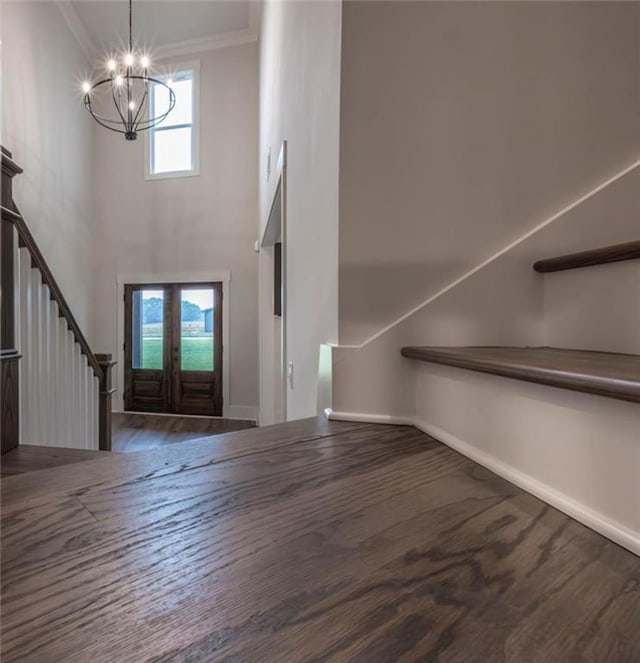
{"x":171,"y":150}
{"x":182,"y":112}
{"x":147,"y":329}
{"x":196,"y":329}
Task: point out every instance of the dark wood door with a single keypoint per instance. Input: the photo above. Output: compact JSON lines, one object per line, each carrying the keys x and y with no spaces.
{"x":173,"y":348}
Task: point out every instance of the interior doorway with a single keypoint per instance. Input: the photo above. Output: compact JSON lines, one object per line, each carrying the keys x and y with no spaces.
{"x":173,"y":348}
{"x":273,"y":304}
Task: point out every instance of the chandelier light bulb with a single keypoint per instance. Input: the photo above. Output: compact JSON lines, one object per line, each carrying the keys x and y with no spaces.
{"x":128,"y":83}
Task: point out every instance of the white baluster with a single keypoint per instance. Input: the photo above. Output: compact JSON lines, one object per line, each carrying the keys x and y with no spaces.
{"x":84,"y":401}
{"x":35,"y":350}
{"x":45,"y":375}
{"x":77,"y":385}
{"x":26,"y":332}
{"x":68,"y":385}
{"x":94,"y":409}
{"x":56,"y":395}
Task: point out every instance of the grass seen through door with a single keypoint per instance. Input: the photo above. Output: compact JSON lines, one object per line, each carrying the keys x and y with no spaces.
{"x":197,"y":353}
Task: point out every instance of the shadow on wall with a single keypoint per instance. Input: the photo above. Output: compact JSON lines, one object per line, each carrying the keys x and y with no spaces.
{"x":370,"y":287}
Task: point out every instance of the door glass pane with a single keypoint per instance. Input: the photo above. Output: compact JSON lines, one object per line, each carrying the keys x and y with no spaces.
{"x":147,"y":329}
{"x":196,"y":329}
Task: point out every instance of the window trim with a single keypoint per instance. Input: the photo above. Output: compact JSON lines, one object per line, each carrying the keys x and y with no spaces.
{"x":167,"y":71}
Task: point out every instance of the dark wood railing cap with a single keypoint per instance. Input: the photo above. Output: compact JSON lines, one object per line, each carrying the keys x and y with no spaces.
{"x":600,"y":256}
{"x":9,"y":166}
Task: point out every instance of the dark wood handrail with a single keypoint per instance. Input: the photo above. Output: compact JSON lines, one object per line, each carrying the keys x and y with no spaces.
{"x":600,"y":256}
{"x":26,"y":240}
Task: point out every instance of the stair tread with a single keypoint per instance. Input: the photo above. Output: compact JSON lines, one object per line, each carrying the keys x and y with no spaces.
{"x":603,"y":373}
{"x":599,"y":256}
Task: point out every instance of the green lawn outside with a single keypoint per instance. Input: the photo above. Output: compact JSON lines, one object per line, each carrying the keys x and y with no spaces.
{"x":197,"y":353}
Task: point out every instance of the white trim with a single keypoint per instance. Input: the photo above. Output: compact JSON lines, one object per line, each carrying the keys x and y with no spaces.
{"x":243,"y":412}
{"x":609,"y":528}
{"x":602,"y":524}
{"x":495,"y":256}
{"x":76,"y":26}
{"x":175,"y":49}
{"x":266,"y":368}
{"x":180,"y":277}
{"x":387,"y":419}
{"x":166,"y":70}
{"x":210,"y":43}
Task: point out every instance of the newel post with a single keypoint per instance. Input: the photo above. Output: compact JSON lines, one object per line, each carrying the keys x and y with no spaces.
{"x":9,"y":354}
{"x":106,"y":390}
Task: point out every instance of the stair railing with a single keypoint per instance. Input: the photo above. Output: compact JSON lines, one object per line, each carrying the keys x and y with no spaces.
{"x":14,"y":225}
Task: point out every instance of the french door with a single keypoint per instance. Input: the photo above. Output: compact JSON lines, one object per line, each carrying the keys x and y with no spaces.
{"x":173,"y":348}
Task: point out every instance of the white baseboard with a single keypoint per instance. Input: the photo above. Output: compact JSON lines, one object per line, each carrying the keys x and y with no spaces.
{"x":369,"y":418}
{"x":248,"y":412}
{"x":596,"y":521}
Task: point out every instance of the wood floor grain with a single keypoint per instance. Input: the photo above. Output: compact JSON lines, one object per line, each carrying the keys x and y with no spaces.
{"x":312,"y":541}
{"x":139,"y":432}
{"x":29,"y":458}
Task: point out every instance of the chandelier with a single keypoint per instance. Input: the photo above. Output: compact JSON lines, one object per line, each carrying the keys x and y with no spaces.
{"x":121,"y":102}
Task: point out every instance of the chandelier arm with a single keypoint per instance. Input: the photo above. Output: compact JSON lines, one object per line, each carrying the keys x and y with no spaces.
{"x":147,"y":124}
{"x":142,"y":103}
{"x":152,"y":122}
{"x":117,"y":105}
{"x":95,"y":116}
{"x":106,"y":126}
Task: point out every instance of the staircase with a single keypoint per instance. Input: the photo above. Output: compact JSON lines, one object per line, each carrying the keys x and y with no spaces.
{"x":614,"y":375}
{"x":533,"y":373}
{"x":55,"y":391}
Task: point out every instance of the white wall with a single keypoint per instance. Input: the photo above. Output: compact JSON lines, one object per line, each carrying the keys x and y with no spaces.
{"x":572,"y":298}
{"x":299,"y":103}
{"x":507,"y":303}
{"x":579,"y":452}
{"x":463,"y":124}
{"x":191,"y":225}
{"x":46,"y":127}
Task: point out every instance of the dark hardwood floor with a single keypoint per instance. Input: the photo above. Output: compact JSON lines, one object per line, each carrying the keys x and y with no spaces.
{"x":138,"y":432}
{"x":29,"y":458}
{"x":311,"y":541}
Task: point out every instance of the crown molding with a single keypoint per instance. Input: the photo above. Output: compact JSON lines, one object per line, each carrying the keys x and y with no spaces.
{"x":177,"y":49}
{"x":76,"y":26}
{"x":211,"y":43}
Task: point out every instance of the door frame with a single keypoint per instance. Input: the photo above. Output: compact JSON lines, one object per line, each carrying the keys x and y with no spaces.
{"x":162,"y":279}
{"x":270,"y":371}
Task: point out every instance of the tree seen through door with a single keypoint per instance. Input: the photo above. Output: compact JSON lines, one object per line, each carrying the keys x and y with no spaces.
{"x":173,"y":348}
{"x":196,"y":330}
